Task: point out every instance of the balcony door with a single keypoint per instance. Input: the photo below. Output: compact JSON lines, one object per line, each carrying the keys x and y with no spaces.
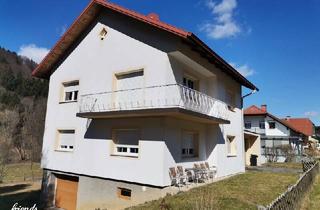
{"x":129,"y":92}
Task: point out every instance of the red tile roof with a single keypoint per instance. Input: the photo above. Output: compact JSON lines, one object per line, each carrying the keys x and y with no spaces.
{"x":304,"y":125}
{"x":47,"y":65}
{"x":254,"y":110}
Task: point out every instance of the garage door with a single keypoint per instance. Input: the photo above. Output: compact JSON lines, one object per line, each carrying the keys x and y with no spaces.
{"x":66,"y":192}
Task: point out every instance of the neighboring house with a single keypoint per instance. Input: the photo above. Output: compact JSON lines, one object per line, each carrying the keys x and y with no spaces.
{"x":274,"y":133}
{"x":129,"y":97}
{"x":305,"y":126}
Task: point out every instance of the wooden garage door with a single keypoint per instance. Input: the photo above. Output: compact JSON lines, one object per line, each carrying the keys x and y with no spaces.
{"x":66,"y":192}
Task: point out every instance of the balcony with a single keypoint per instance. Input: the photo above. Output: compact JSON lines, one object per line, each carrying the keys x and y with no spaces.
{"x":166,"y":100}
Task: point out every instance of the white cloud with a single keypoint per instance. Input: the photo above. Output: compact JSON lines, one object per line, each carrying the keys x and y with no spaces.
{"x":311,"y":114}
{"x":224,"y":25}
{"x":33,"y":52}
{"x":245,"y":70}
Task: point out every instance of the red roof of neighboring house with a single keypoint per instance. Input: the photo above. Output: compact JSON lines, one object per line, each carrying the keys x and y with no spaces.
{"x":47,"y":65}
{"x":304,"y":125}
{"x":254,"y":110}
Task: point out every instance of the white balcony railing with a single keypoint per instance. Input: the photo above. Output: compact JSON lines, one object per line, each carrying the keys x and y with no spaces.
{"x":165,"y":96}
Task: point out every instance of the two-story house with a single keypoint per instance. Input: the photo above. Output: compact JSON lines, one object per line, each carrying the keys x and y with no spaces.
{"x":274,"y":133}
{"x":129,"y":97}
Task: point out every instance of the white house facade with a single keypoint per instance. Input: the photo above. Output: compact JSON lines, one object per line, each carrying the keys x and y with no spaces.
{"x":130,"y":97}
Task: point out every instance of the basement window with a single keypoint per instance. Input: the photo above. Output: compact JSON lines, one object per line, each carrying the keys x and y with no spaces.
{"x":124,"y":193}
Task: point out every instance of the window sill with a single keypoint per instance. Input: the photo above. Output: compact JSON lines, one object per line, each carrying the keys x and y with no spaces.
{"x":61,"y":150}
{"x":125,"y":156}
{"x":231,"y":155}
{"x":67,"y":102}
{"x":189,"y":157}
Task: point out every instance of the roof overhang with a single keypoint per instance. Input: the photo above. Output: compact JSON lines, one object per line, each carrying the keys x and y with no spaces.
{"x":50,"y":62}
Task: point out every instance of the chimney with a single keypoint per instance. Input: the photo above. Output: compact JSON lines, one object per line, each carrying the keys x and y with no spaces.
{"x":264,"y":107}
{"x":288,"y":117}
{"x":154,"y":16}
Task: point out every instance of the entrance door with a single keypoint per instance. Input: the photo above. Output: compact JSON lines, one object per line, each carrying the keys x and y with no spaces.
{"x":66,"y":192}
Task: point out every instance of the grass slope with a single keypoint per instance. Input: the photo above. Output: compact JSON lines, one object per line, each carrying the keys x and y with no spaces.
{"x":244,"y":191}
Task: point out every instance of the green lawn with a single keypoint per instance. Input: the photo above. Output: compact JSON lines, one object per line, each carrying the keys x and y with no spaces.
{"x":244,"y":191}
{"x":312,"y":200}
{"x":20,"y":172}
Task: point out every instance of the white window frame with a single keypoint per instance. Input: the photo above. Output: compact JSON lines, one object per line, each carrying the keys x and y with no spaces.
{"x":65,"y":148}
{"x":195,"y":82}
{"x":195,"y":149}
{"x":71,"y":87}
{"x":125,"y":150}
{"x":231,"y":146}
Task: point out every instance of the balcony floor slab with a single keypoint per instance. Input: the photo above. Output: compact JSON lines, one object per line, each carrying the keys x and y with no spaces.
{"x":156,"y":112}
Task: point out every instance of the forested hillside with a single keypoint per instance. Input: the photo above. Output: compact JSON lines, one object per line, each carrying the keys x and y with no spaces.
{"x":22,"y":108}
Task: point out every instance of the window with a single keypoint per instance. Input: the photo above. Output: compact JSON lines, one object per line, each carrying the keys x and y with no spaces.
{"x":247,"y":125}
{"x":128,"y":81}
{"x":126,"y":142}
{"x":70,"y":91}
{"x":190,"y":83}
{"x":231,"y":146}
{"x":230,"y":100}
{"x":261,"y":125}
{"x":66,"y":139}
{"x":272,"y":125}
{"x":189,"y":144}
{"x":124,"y":193}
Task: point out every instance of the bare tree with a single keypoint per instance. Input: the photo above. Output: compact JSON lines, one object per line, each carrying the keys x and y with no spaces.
{"x":4,"y":158}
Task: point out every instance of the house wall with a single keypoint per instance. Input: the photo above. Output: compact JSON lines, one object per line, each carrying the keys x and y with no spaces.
{"x":129,"y":46}
{"x":255,"y":122}
{"x":280,"y":129}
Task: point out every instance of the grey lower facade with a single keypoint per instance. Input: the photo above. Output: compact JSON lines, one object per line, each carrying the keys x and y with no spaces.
{"x":95,"y":193}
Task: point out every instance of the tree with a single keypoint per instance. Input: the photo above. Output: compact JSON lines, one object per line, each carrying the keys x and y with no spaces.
{"x":4,"y":159}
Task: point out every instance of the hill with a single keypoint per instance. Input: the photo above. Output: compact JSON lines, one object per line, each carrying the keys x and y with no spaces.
{"x":22,"y":108}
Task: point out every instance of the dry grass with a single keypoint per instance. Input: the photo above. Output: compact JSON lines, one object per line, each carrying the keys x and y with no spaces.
{"x":284,"y":165}
{"x":244,"y":191}
{"x":312,"y":200}
{"x":20,"y":172}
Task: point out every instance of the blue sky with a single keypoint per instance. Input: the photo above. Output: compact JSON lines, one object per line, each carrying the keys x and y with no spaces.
{"x":276,"y":44}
